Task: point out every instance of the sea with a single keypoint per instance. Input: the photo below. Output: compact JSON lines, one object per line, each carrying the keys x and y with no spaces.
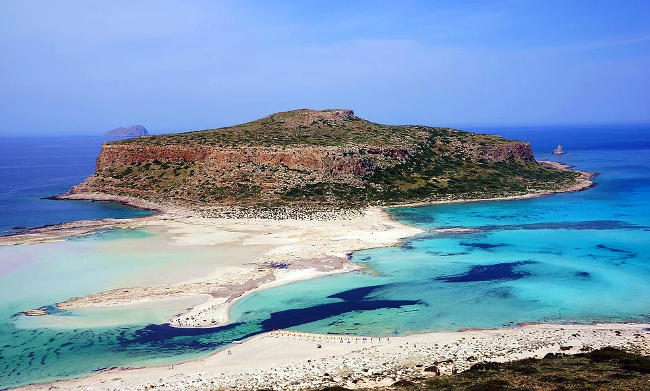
{"x":571,"y":258}
{"x":34,"y":168}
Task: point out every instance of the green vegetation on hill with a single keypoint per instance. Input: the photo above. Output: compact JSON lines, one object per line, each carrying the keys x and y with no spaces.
{"x":306,"y":127}
{"x":605,"y":369}
{"x":435,"y":172}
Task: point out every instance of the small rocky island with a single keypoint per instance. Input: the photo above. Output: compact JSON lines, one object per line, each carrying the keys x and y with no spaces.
{"x":129,"y":131}
{"x":558,"y":150}
{"x":319,"y":159}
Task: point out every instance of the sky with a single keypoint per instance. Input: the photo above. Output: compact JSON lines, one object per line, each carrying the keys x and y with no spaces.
{"x":83,"y":67}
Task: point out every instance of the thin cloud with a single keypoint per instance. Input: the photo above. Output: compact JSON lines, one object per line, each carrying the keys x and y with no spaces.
{"x":603,"y":44}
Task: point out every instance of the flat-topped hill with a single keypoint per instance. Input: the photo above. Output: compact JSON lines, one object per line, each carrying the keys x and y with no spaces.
{"x":327,"y":158}
{"x":298,"y":127}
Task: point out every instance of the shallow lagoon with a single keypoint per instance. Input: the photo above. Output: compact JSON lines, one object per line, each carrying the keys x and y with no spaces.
{"x":577,"y":257}
{"x":68,"y":343}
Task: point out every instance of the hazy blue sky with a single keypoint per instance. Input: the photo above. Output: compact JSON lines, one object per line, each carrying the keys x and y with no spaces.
{"x":88,"y":66}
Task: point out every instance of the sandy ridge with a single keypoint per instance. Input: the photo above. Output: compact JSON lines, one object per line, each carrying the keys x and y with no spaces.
{"x":297,"y":250}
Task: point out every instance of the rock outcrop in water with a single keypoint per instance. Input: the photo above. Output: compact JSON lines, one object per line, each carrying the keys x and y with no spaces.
{"x":558,"y":150}
{"x":327,"y":158}
{"x":129,"y":131}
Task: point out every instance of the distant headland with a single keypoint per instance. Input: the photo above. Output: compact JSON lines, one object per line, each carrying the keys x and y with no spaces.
{"x":129,"y":131}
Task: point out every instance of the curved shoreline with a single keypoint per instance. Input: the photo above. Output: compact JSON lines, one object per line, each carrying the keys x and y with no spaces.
{"x":166,"y":211}
{"x":292,"y":361}
{"x":170,"y":214}
{"x":132,"y":202}
{"x":219,"y":307}
{"x":584,"y":182}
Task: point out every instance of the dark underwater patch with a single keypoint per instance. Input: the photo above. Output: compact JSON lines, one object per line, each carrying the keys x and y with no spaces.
{"x":173,"y":339}
{"x":482,"y":246}
{"x":168,"y":339}
{"x":163,"y":332}
{"x":502,"y":293}
{"x":570,"y":225}
{"x":441,"y":254}
{"x":583,"y":275}
{"x":628,"y":253}
{"x":356,"y":294}
{"x":413,"y":216}
{"x":499,"y":271}
{"x":295,"y":317}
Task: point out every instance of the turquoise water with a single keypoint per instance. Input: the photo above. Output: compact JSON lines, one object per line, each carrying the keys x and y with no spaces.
{"x":577,"y":257}
{"x":71,"y":343}
{"x":573,"y":257}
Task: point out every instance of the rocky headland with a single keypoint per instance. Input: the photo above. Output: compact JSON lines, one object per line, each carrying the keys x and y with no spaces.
{"x":317,"y":160}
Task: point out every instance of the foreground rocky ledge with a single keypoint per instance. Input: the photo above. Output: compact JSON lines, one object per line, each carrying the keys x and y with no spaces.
{"x":292,"y":361}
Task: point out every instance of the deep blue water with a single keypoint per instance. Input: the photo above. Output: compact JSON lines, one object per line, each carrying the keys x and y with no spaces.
{"x":544,"y":139}
{"x":32,"y":168}
{"x":574,"y":257}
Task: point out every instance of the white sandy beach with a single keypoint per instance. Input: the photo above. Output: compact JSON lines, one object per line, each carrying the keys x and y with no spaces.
{"x":283,"y":361}
{"x":263,"y":253}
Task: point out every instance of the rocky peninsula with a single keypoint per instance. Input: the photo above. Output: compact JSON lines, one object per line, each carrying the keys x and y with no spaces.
{"x":317,"y":160}
{"x":308,"y":188}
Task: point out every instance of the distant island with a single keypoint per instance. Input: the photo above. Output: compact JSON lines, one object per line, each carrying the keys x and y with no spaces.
{"x":129,"y":131}
{"x":558,"y":150}
{"x":320,"y":159}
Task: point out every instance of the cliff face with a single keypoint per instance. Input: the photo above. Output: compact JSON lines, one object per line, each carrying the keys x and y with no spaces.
{"x":326,"y":161}
{"x":312,"y":158}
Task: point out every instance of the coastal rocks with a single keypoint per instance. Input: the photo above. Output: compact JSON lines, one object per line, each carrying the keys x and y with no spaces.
{"x":558,"y":150}
{"x":323,"y":162}
{"x":35,"y":312}
{"x":501,"y":152}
